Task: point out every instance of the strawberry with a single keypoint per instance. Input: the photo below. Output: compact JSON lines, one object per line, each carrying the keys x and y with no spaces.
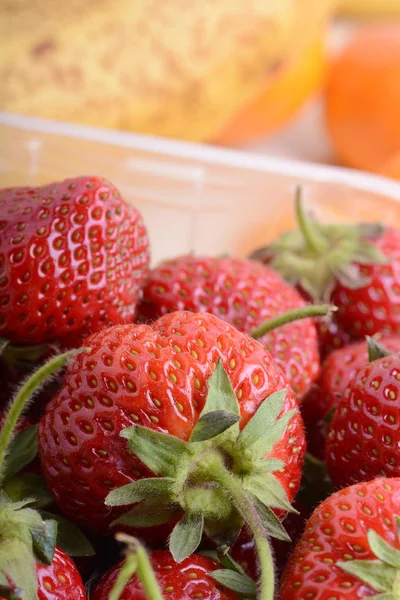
{"x":354,"y":267}
{"x":60,"y":580}
{"x":363,"y":440}
{"x":73,"y":256}
{"x":337,"y":370}
{"x":243,"y":293}
{"x":350,"y":548}
{"x":166,"y":400}
{"x":178,"y":581}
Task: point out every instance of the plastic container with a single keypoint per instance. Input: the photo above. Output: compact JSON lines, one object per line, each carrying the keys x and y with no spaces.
{"x":193,"y":198}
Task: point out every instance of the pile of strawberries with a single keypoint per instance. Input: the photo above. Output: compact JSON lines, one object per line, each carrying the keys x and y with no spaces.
{"x":153,"y":423}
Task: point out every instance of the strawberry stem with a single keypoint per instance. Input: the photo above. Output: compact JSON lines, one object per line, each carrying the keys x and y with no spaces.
{"x":21,"y":400}
{"x":138,"y":561}
{"x":233,"y":487}
{"x":304,"y":312}
{"x":314,"y":240}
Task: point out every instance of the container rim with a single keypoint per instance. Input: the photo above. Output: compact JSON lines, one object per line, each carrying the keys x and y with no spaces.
{"x":209,"y":154}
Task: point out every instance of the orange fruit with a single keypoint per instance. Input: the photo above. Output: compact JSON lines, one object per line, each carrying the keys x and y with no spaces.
{"x":363,"y":98}
{"x":280,"y":99}
{"x":392,"y":167}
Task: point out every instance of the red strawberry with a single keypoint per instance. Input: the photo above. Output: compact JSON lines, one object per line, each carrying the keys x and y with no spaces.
{"x":73,"y":256}
{"x":337,"y":370}
{"x":155,"y":376}
{"x":60,"y":580}
{"x":330,"y":336}
{"x":243,"y":293}
{"x":107,"y":430}
{"x":355,"y":267}
{"x":350,"y":548}
{"x":364,"y":439}
{"x":188,"y":579}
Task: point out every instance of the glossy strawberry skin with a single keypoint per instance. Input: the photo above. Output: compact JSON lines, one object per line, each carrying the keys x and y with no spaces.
{"x":337,"y":371}
{"x":374,"y":307}
{"x":155,"y":377}
{"x":243,"y":293}
{"x":73,"y":256}
{"x":188,"y":579}
{"x":337,"y":530}
{"x":364,"y":438}
{"x":60,"y":580}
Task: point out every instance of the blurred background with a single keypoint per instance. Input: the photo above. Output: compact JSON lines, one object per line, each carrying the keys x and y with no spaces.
{"x":313,"y":80}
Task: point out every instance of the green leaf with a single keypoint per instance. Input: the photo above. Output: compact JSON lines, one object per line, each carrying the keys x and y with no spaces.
{"x":17,"y":561}
{"x":69,"y":537}
{"x":269,"y":491}
{"x":224,"y":532}
{"x":139,"y":490}
{"x":270,"y":465}
{"x":3,"y":343}
{"x":28,"y":485}
{"x":270,"y":521}
{"x":384,"y":596}
{"x":23,"y":449}
{"x":212,"y":424}
{"x":242,"y":584}
{"x":44,"y":541}
{"x":220,"y":393}
{"x":272,"y":435}
{"x":375,"y":350}
{"x":226,"y":561}
{"x":374,"y":573}
{"x":186,"y":536}
{"x":383,"y":550}
{"x":160,"y":452}
{"x":263,"y":419}
{"x":148,"y":513}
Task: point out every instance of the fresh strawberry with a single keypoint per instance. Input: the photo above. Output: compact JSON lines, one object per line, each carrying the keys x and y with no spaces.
{"x":104,"y":436}
{"x":243,"y":293}
{"x":60,"y":580}
{"x":189,"y":579}
{"x":330,"y":336}
{"x":73,"y":257}
{"x":350,"y":548}
{"x":337,"y":370}
{"x":364,"y":440}
{"x":354,"y":267}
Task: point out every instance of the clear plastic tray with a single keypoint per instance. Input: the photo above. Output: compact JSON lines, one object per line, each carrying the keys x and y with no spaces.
{"x":193,"y":198}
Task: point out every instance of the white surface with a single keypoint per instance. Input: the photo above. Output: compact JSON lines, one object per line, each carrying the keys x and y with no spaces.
{"x":193,"y":198}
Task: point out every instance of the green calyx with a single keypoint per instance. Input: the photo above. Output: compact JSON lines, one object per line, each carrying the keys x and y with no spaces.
{"x":375,"y":350}
{"x":25,"y":538}
{"x":217,"y":480}
{"x":382,"y":574}
{"x":28,"y":534}
{"x":317,"y":254}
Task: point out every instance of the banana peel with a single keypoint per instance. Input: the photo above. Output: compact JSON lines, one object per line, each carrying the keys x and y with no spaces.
{"x":173,"y":68}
